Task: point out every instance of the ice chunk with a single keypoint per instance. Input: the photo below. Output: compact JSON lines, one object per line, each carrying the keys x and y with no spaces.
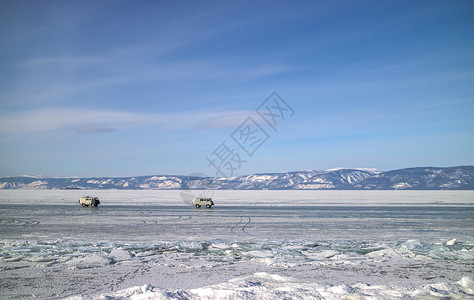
{"x":120,"y":255}
{"x":451,"y":242}
{"x":383,"y":253}
{"x":411,"y":245}
{"x":323,"y":255}
{"x":273,"y":277}
{"x":90,"y":261}
{"x":260,"y":254}
{"x":467,"y":284}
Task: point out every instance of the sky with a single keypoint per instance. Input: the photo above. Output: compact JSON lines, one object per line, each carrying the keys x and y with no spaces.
{"x":128,"y":88}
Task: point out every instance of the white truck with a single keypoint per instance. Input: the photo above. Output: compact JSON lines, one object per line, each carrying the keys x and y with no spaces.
{"x":88,"y":200}
{"x":198,"y":202}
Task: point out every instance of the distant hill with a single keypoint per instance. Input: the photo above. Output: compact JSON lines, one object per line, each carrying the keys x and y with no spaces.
{"x":421,"y":178}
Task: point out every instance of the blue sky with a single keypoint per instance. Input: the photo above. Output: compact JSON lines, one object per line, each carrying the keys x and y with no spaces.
{"x":126,"y":88}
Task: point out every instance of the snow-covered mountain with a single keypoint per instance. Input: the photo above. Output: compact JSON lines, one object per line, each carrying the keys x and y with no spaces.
{"x":454,"y":178}
{"x":429,"y":178}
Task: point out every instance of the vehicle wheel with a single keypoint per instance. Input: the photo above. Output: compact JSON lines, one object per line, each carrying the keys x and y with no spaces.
{"x":83,"y":205}
{"x":208,"y":205}
{"x":198,"y":206}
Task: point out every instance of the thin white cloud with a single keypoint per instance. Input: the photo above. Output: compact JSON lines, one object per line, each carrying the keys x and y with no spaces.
{"x":65,"y":77}
{"x":62,"y":60}
{"x":100,"y":121}
{"x":95,"y":128}
{"x":226,"y":120}
{"x":62,"y":118}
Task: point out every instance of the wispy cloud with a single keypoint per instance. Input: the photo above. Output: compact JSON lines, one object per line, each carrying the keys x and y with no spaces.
{"x":63,"y":118}
{"x":226,"y":120}
{"x":55,"y":79}
{"x":95,"y":128}
{"x":103,"y":121}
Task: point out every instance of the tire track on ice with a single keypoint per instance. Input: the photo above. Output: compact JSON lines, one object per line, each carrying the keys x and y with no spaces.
{"x":241,"y":223}
{"x":18,"y":222}
{"x":246,"y":224}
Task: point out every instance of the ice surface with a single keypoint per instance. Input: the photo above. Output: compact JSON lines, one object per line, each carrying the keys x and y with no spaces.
{"x":251,"y":245}
{"x":244,"y":198}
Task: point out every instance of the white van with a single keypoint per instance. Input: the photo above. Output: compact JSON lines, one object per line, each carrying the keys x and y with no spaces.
{"x":88,"y":200}
{"x":198,"y":202}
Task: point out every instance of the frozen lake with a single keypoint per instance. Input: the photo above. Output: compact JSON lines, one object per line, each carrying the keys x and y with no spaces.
{"x":252,"y":244}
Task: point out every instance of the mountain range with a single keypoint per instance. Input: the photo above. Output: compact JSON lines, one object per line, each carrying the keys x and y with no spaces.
{"x":420,"y":178}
